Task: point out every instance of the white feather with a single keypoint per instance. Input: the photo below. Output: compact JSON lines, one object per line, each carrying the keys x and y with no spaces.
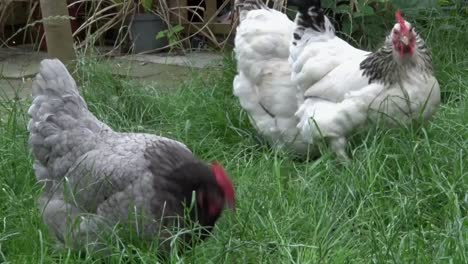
{"x":339,"y":99}
{"x":332,"y":97}
{"x":264,"y":77}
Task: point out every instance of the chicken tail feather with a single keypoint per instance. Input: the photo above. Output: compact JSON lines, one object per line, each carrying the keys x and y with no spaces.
{"x":310,"y":20}
{"x":247,"y":5}
{"x":60,"y":119}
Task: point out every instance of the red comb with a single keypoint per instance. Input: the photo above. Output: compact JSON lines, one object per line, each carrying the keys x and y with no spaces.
{"x":401,"y":21}
{"x":224,"y":182}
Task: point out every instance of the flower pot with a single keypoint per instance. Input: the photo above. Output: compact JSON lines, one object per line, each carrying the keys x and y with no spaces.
{"x":143,"y":31}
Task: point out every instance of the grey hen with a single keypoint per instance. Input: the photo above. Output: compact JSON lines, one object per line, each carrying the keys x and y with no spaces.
{"x":95,"y":177}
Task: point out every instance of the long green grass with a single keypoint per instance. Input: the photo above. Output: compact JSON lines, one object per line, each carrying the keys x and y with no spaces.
{"x":403,"y":198}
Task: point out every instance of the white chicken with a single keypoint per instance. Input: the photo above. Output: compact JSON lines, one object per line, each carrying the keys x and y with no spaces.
{"x":95,"y":177}
{"x":344,"y":87}
{"x":263,"y":83}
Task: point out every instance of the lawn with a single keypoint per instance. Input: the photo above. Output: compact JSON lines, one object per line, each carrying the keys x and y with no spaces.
{"x":403,"y":198}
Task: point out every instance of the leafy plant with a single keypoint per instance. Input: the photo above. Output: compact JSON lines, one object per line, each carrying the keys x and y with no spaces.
{"x":364,"y":20}
{"x":147,"y":5}
{"x":172,"y":34}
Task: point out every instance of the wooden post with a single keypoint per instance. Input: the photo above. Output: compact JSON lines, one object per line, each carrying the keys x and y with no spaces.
{"x":210,"y":10}
{"x":181,"y":12}
{"x":58,"y":30}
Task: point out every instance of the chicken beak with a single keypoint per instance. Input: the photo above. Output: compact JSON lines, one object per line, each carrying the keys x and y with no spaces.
{"x":404,"y":40}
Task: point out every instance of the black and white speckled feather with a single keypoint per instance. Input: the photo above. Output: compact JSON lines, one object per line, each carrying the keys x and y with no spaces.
{"x":310,"y":21}
{"x":382,"y":66}
{"x":341,"y":84}
{"x":248,"y":5}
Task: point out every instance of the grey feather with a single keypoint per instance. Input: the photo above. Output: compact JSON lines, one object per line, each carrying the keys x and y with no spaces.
{"x":90,"y":170}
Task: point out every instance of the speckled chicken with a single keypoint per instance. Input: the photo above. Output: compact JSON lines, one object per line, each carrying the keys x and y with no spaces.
{"x":302,"y":85}
{"x":345,"y":87}
{"x":95,"y":177}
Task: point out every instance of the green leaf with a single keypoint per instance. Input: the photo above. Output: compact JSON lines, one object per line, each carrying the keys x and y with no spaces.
{"x":347,"y":27}
{"x":328,"y":3}
{"x":147,"y":5}
{"x":380,"y":1}
{"x":367,"y":10}
{"x":177,"y":28}
{"x":415,"y":4}
{"x":364,"y":10}
{"x":444,"y":2}
{"x":161,"y":34}
{"x":343,"y":9}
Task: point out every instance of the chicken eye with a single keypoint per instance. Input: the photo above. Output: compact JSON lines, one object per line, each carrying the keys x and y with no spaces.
{"x":395,"y":31}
